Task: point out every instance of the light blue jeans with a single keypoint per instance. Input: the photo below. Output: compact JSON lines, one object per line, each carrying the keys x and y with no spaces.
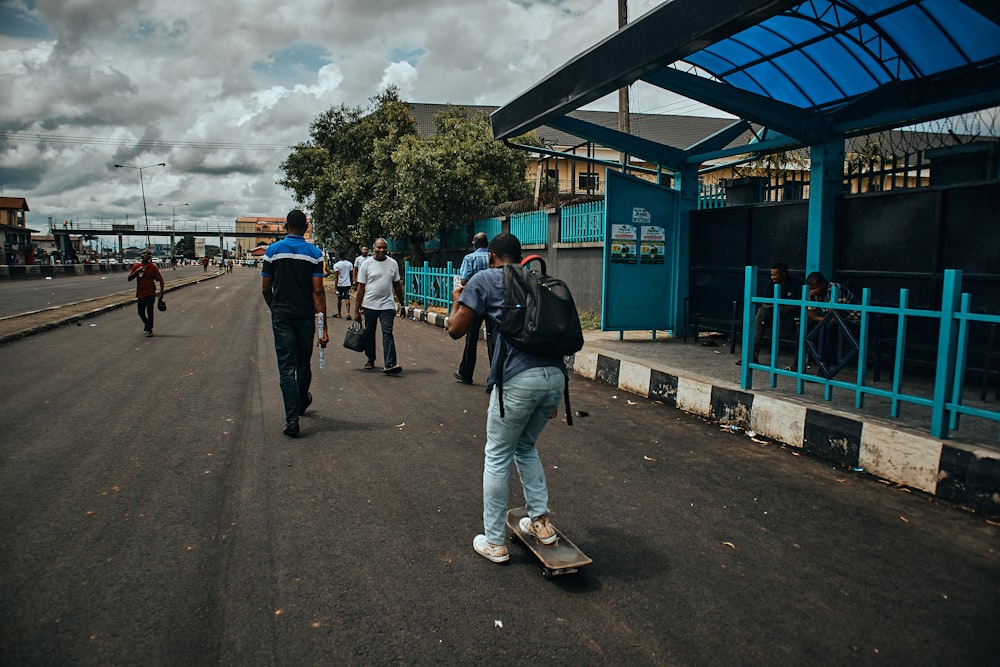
{"x":529,"y":398}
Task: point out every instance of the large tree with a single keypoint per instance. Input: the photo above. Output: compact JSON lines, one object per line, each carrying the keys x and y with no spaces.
{"x":336,"y":174}
{"x":443,"y":181}
{"x":365,"y":174}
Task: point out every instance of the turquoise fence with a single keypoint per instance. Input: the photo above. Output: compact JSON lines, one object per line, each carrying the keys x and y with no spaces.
{"x":429,"y":286}
{"x":530,"y":228}
{"x":711,"y":195}
{"x":489,"y":226}
{"x":582,"y":223}
{"x":950,"y":360}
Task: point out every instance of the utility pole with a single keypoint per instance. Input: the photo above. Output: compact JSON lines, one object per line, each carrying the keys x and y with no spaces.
{"x":623,"y":110}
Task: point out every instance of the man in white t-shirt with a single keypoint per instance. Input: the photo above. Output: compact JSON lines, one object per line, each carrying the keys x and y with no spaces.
{"x":343,"y":270}
{"x":378,"y":280}
{"x":358,"y":261}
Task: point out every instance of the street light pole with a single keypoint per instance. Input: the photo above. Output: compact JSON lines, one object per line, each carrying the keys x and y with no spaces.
{"x":173,"y":224}
{"x":142,"y":187}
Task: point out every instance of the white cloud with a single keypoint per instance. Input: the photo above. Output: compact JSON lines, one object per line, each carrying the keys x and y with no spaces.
{"x":243,"y":74}
{"x":402,"y":76}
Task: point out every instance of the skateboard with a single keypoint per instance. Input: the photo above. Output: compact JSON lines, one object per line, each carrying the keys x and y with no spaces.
{"x":560,"y":557}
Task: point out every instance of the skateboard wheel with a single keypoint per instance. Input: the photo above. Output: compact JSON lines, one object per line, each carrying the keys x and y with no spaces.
{"x":547,"y":573}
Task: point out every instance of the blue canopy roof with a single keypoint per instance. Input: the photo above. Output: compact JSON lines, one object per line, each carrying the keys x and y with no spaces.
{"x":823,"y":53}
{"x":806,"y":70}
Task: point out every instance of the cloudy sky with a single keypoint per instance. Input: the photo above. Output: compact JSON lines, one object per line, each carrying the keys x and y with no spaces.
{"x":218,"y":90}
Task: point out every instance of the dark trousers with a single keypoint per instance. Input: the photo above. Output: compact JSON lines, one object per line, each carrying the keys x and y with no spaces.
{"x":293,"y":343}
{"x":762,"y":325}
{"x":145,"y":305}
{"x":468,"y":366}
{"x":385,"y":319}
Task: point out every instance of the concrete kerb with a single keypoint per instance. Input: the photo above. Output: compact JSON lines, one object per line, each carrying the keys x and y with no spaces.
{"x":960,"y":473}
{"x":39,"y":321}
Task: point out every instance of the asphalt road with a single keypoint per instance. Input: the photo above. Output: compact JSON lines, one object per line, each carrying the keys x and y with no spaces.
{"x":152,"y":513}
{"x":24,"y":296}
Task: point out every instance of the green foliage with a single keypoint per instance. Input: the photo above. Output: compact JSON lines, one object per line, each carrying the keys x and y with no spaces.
{"x":366,"y":174}
{"x":185,"y":247}
{"x":590,"y":320}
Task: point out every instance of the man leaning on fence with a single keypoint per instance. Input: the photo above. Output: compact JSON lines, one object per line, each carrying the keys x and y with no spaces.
{"x":473,"y":263}
{"x":830,"y":338}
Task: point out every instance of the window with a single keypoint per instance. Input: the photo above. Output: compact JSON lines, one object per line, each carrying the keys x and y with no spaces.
{"x":589,"y":181}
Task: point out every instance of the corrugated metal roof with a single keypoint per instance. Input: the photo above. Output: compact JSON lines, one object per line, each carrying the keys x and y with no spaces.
{"x":673,"y":130}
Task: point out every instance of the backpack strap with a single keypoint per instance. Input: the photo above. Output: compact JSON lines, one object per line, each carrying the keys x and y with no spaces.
{"x":498,"y":372}
{"x":569,"y":411}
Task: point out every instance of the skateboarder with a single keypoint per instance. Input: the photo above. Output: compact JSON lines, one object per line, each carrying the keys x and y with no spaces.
{"x":533,"y":387}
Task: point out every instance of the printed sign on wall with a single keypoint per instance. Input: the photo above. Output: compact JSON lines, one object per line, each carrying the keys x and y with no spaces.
{"x":652,"y":244}
{"x":623,"y":242}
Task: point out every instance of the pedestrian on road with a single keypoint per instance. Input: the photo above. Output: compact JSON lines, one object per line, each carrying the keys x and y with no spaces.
{"x":146,"y":275}
{"x":378,"y":279}
{"x":532,"y":388}
{"x":473,"y":263}
{"x":292,"y":284}
{"x":343,"y":269}
{"x":358,"y":261}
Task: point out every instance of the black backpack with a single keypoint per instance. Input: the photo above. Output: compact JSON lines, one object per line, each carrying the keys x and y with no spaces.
{"x":538,"y":317}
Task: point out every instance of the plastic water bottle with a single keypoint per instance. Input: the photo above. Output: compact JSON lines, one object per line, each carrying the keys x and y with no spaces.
{"x":322,"y":350}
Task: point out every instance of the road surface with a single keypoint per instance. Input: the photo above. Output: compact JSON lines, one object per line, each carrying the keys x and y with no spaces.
{"x":153,"y":513}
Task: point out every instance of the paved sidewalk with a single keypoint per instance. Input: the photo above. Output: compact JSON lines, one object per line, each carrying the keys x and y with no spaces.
{"x":702,"y":377}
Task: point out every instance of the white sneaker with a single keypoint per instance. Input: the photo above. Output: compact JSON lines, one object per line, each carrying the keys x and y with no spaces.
{"x":540,"y":528}
{"x":494,"y":552}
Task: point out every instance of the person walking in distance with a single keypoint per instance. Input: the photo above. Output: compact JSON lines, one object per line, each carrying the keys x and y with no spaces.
{"x":473,"y":263}
{"x":292,"y":285}
{"x":532,"y":387}
{"x":343,"y":270}
{"x":146,"y":276}
{"x":378,"y":280}
{"x":358,"y":261}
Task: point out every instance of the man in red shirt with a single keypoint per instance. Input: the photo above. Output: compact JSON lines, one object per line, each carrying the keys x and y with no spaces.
{"x":146,"y":276}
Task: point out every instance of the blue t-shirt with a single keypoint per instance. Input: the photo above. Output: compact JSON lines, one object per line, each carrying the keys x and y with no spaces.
{"x":484,"y":295}
{"x":292,"y":263}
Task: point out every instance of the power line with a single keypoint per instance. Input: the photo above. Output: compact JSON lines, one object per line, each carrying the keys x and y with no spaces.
{"x":142,"y":143}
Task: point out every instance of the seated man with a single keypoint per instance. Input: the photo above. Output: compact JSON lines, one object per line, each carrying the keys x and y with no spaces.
{"x":827,"y":331}
{"x":791,"y":288}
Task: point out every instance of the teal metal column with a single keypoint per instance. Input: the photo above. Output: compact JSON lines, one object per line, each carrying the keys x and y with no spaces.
{"x":687,"y":180}
{"x":826,"y":184}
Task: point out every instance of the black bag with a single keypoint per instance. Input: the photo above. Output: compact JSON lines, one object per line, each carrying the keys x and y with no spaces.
{"x":354,"y":337}
{"x":539,"y":317}
{"x":161,"y":305}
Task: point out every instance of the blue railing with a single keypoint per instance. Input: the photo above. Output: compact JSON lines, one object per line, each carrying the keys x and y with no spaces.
{"x":489,"y":226}
{"x":582,"y":223}
{"x":531,"y":228}
{"x":711,"y":195}
{"x":953,"y":319}
{"x":429,"y":286}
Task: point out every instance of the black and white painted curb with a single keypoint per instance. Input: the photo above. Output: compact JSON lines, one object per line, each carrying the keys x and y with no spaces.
{"x":960,"y":473}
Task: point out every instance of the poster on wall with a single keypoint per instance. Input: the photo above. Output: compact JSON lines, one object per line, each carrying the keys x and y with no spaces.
{"x":623,"y":242}
{"x":652,"y":244}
